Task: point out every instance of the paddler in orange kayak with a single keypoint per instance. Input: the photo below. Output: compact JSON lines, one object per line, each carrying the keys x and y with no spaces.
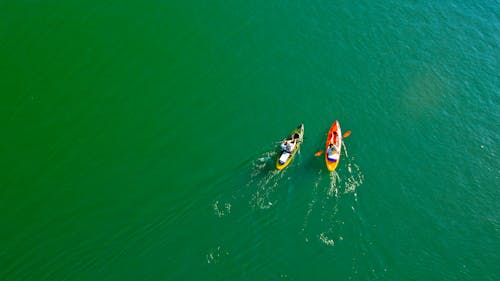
{"x":333,"y":146}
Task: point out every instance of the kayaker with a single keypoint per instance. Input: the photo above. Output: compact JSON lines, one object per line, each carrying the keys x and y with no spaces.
{"x":288,"y":145}
{"x":331,"y":149}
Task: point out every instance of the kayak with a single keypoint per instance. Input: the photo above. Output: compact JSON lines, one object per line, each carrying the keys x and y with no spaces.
{"x":332,"y":156}
{"x":285,"y":157}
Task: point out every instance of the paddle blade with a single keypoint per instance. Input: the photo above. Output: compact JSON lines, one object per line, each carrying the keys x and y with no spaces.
{"x":348,"y":133}
{"x":319,"y":153}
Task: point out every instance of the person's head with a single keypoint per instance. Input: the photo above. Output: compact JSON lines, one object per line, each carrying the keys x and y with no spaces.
{"x":331,"y":145}
{"x":335,"y":133}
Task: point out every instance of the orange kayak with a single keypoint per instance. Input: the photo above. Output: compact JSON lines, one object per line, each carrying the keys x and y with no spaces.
{"x":332,"y":154}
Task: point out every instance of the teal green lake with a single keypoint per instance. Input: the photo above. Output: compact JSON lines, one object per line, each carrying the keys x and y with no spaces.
{"x":139,"y":140}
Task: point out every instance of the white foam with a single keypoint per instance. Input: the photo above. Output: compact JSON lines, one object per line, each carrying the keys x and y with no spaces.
{"x":223,"y":210}
{"x":327,"y":241}
{"x":214,"y":256}
{"x":334,"y":179}
{"x":354,"y":180}
{"x":266,"y":188}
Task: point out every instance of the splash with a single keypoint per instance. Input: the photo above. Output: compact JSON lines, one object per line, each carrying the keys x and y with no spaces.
{"x":355,"y":178}
{"x":221,"y":210}
{"x":259,"y":184}
{"x":321,"y":220}
{"x":215,"y":255}
{"x":265,"y":189}
{"x":261,"y":165}
{"x":334,"y":181}
{"x":265,"y":179}
{"x":327,"y":241}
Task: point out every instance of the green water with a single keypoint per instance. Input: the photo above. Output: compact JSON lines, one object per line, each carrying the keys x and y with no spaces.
{"x":139,"y":140}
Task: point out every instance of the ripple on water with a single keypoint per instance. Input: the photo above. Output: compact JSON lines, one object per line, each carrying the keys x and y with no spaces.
{"x":215,"y":255}
{"x":265,"y":179}
{"x":222,"y":209}
{"x":322,"y":219}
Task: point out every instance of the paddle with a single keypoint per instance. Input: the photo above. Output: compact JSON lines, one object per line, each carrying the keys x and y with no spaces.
{"x":346,"y":134}
{"x":319,"y":153}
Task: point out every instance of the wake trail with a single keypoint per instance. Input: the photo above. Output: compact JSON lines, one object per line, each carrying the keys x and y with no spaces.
{"x":255,"y":173}
{"x":333,"y":202}
{"x":265,"y":189}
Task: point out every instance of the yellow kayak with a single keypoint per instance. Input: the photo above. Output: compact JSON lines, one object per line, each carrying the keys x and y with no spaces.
{"x":295,"y":139}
